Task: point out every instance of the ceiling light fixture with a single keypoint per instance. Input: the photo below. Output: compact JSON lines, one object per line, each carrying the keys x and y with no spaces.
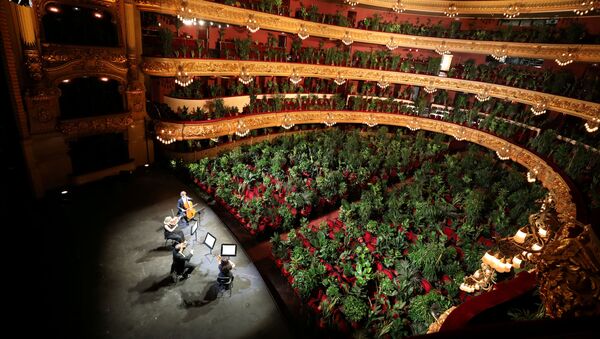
{"x":442,"y":49}
{"x":500,"y":53}
{"x":565,"y":58}
{"x":184,"y":14}
{"x":539,"y":108}
{"x":295,"y":78}
{"x":241,"y":130}
{"x":483,"y":96}
{"x":371,"y":121}
{"x":329,"y":120}
{"x":592,"y":125}
{"x":382,"y":83}
{"x":245,"y":77}
{"x":287,"y":122}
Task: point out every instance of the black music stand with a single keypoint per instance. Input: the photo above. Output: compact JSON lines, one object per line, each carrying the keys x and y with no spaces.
{"x":228,"y":250}
{"x":210,"y":242}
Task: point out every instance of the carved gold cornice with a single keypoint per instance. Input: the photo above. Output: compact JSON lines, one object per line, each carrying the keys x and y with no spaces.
{"x":203,"y":67}
{"x":64,"y":62}
{"x":480,"y":7}
{"x":238,"y":16}
{"x":95,"y":125}
{"x":553,"y":181}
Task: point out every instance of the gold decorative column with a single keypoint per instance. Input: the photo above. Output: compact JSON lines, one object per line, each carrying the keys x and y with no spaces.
{"x":27,"y":29}
{"x":140,"y":149}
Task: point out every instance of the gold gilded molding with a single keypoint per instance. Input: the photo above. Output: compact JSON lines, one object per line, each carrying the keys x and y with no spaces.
{"x":64,"y":62}
{"x":205,"y":67}
{"x":568,"y":271}
{"x":480,"y":7}
{"x":238,"y":16}
{"x":550,"y":179}
{"x":95,"y":125}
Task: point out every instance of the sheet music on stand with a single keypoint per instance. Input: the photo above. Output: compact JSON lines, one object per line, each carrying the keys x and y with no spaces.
{"x":210,"y":242}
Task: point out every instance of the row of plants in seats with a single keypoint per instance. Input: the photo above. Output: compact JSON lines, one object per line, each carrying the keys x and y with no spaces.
{"x":420,"y":219}
{"x":560,"y":82}
{"x":275,"y":185}
{"x":538,"y":32}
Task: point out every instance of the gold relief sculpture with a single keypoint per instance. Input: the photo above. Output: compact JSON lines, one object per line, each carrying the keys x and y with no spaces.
{"x":86,"y":126}
{"x":33,"y":63}
{"x":238,"y":16}
{"x":215,"y":128}
{"x":43,"y":109}
{"x":568,"y":271}
{"x":201,"y":67}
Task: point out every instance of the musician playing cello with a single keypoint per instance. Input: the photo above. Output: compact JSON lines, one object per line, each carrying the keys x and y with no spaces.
{"x":185,"y":208}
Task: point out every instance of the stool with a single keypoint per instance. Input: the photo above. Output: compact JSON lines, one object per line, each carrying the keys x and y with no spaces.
{"x":224,"y":284}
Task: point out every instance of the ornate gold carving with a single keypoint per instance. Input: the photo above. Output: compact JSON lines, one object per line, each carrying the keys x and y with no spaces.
{"x":237,"y":16}
{"x":437,"y":324}
{"x":202,"y":67}
{"x":95,"y":125}
{"x":480,"y":7}
{"x":43,"y":109}
{"x":33,"y":62}
{"x":569,"y":272}
{"x":71,"y":62}
{"x":548,"y":177}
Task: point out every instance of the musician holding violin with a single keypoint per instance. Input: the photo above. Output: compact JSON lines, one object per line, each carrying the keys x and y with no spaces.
{"x":185,"y":207}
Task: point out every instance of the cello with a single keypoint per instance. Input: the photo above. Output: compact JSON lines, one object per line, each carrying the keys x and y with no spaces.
{"x":190,"y":211}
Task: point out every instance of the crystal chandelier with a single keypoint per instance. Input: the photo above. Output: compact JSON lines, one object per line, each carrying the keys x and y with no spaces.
{"x":371,"y":121}
{"x":240,"y":129}
{"x":483,"y":96}
{"x":565,"y":58}
{"x":287,"y":122}
{"x":398,"y":7}
{"x":295,"y":78}
{"x":500,"y":53}
{"x":183,"y":79}
{"x":592,"y":125}
{"x":503,"y":153}
{"x":391,"y":45}
{"x":442,"y":49}
{"x":185,"y":14}
{"x":451,"y":11}
{"x":329,"y":120}
{"x":460,"y":135}
{"x":512,"y":11}
{"x":584,"y":7}
{"x":532,"y":175}
{"x":347,"y":39}
{"x":245,"y":77}
{"x":339,"y":80}
{"x":382,"y":83}
{"x":303,"y":32}
{"x":539,"y":108}
{"x":430,"y":88}
{"x":413,"y":125}
{"x":169,"y":139}
{"x":352,"y":3}
{"x":251,"y":24}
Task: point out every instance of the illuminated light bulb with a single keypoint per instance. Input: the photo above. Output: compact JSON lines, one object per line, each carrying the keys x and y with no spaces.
{"x":382,"y":83}
{"x":287,"y":122}
{"x":347,"y":39}
{"x":329,"y":120}
{"x":503,"y":153}
{"x":565,"y":58}
{"x":442,"y":49}
{"x":339,"y":80}
{"x":245,"y":77}
{"x":98,"y":15}
{"x":352,"y":3}
{"x":251,"y":24}
{"x":371,"y":121}
{"x":483,"y":96}
{"x":584,"y":8}
{"x":539,"y":108}
{"x":516,"y":262}
{"x":241,"y":130}
{"x":451,"y":11}
{"x":391,"y":45}
{"x":398,"y":7}
{"x":295,"y":78}
{"x":183,"y":79}
{"x":430,"y":88}
{"x":591,"y":126}
{"x":542,"y":232}
{"x":105,"y":79}
{"x":66,"y":81}
{"x":512,"y":11}
{"x":536,"y":247}
{"x":303,"y":32}
{"x":53,"y":9}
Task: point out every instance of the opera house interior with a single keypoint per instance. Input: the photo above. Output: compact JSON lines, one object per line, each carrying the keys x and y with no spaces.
{"x":306,"y":168}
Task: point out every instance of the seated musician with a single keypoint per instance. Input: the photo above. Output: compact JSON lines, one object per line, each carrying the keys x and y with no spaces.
{"x":181,"y":261}
{"x":225,"y":267}
{"x":184,"y":206}
{"x":170,"y":231}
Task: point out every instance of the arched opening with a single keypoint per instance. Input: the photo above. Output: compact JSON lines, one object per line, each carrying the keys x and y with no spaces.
{"x":75,"y":25}
{"x":90,"y":96}
{"x":96,"y":152}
